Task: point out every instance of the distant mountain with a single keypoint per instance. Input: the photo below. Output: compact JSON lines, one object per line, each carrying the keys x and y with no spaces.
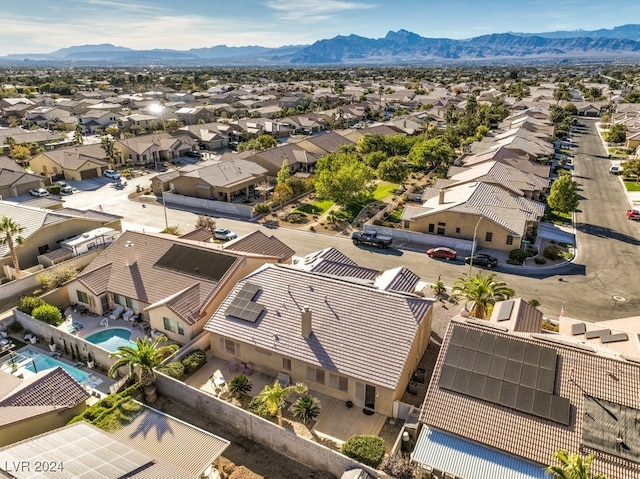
{"x":396,"y":48}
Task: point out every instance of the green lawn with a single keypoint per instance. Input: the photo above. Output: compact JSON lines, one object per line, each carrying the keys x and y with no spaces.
{"x":396,"y":216}
{"x":316,"y":207}
{"x":557,"y":218}
{"x":632,"y":185}
{"x":384,"y":190}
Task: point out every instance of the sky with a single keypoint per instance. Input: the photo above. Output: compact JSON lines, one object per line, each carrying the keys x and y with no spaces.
{"x":43,"y":26}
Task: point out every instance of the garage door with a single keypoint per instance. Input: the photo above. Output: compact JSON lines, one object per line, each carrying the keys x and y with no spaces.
{"x":92,"y":173}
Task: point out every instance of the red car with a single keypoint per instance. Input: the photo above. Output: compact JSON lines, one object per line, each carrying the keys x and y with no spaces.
{"x":442,"y":252}
{"x":633,"y":214}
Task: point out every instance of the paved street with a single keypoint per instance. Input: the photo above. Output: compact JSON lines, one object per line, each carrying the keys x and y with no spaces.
{"x":599,"y":285}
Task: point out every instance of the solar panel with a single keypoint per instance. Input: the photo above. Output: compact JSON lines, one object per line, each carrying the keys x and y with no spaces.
{"x":505,"y":310}
{"x":529,"y":376}
{"x":542,"y":404}
{"x":509,"y":395}
{"x":486,"y":343}
{"x":501,"y":346}
{"x":578,"y":328}
{"x":496,"y":370}
{"x":461,"y":381}
{"x":472,"y":340}
{"x":453,"y":355}
{"x":482,"y":364}
{"x":477,"y":385}
{"x":532,"y":354}
{"x":597,"y":333}
{"x":548,"y":358}
{"x":546,"y":380}
{"x":526,"y":397}
{"x":516,"y":350}
{"x":560,"y":410}
{"x":512,"y":371}
{"x":248,"y":292}
{"x":458,"y":336}
{"x":492,"y":390}
{"x":447,"y":375}
{"x":614,"y":338}
{"x":467,"y":359}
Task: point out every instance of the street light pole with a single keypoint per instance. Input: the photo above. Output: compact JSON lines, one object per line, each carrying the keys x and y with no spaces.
{"x":473,"y":244}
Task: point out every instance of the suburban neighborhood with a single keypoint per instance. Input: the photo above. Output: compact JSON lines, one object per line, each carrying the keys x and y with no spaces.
{"x":391,"y":273}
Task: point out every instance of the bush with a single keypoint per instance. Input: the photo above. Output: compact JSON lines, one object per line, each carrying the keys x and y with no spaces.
{"x":15,"y":327}
{"x":194,"y":361}
{"x":368,"y":450}
{"x":262,"y":209}
{"x":258,"y":407}
{"x":540,"y":260}
{"x":174,"y":370}
{"x":29,"y":303}
{"x":534,"y":302}
{"x":306,"y":408}
{"x":54,"y":189}
{"x":240,"y":384}
{"x":398,"y":467}
{"x":517,"y":255}
{"x":56,"y":277}
{"x":48,"y":314}
{"x":552,"y":252}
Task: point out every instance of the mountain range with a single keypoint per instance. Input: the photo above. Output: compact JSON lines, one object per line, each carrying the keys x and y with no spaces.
{"x":396,"y":48}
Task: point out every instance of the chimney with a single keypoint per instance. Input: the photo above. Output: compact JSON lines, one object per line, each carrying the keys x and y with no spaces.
{"x":441,"y":197}
{"x":131,"y":253}
{"x":306,"y":321}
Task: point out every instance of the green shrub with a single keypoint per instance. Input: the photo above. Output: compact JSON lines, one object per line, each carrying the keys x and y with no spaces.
{"x":517,"y":255}
{"x":54,"y":189}
{"x":174,"y":370}
{"x":368,"y":450}
{"x":29,"y":303}
{"x":534,"y":302}
{"x":262,"y":209}
{"x":306,"y":408}
{"x":194,"y":361}
{"x":113,"y":411}
{"x":540,"y":260}
{"x":48,"y":314}
{"x":552,"y":252}
{"x":240,"y":384}
{"x":15,"y":327}
{"x":55,"y":278}
{"x":258,"y":407}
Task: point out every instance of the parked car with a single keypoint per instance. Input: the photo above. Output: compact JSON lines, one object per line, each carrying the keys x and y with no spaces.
{"x":111,"y":174}
{"x":482,"y":259}
{"x":442,"y":252}
{"x":615,"y":170}
{"x":224,"y":234}
{"x":371,"y":239}
{"x":194,"y":154}
{"x":633,"y":215}
{"x":38,"y":192}
{"x":64,"y":187}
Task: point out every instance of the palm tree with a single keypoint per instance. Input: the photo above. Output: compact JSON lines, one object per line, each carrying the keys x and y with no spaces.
{"x":10,"y":235}
{"x":573,"y":466}
{"x":77,"y":134}
{"x":483,"y":290}
{"x":306,"y":408}
{"x":107,"y":145}
{"x":145,"y":356}
{"x":275,"y":396}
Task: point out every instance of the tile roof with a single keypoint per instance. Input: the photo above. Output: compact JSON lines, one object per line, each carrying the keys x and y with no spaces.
{"x":174,"y":441}
{"x":198,"y":234}
{"x":257,"y":242}
{"x":157,"y":275}
{"x":290,"y":152}
{"x":328,"y":254}
{"x":228,"y":172}
{"x":579,"y":372}
{"x":351,"y":323}
{"x":336,"y":268}
{"x":54,"y":387}
{"x":398,"y":279}
{"x":8,"y":382}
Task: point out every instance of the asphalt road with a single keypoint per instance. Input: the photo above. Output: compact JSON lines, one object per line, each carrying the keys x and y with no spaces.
{"x":600,"y":284}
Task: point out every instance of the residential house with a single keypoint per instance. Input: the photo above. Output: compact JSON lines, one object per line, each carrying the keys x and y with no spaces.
{"x":296,"y":157}
{"x":305,"y":124}
{"x":495,"y":217}
{"x":76,"y":163}
{"x":137,"y":123}
{"x":223,"y":181}
{"x":508,"y":157}
{"x":96,"y":120}
{"x":259,"y":243}
{"x":150,"y":149}
{"x":152,"y":444}
{"x":193,"y":115}
{"x":42,"y":138}
{"x":49,"y":117}
{"x":44,"y":230}
{"x":501,"y":403}
{"x":175,"y":284}
{"x":15,"y":181}
{"x":350,"y":341}
{"x":324,"y":143}
{"x":43,"y":401}
{"x":211,"y":136}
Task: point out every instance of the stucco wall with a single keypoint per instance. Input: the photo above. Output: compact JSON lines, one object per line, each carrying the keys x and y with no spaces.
{"x":234,"y":209}
{"x":278,"y":439}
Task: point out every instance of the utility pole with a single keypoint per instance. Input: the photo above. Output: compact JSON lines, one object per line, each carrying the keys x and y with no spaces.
{"x":473,"y":244}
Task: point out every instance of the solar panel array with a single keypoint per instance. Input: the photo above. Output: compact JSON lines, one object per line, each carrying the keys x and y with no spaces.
{"x":243,"y":305}
{"x":504,"y":371}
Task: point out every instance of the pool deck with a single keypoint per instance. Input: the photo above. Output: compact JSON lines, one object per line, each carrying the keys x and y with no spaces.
{"x":93,"y":324}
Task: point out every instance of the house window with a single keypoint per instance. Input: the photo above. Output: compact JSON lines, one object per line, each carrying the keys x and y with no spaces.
{"x":44,"y":168}
{"x":83,"y":297}
{"x":169,"y":325}
{"x":119,"y":299}
{"x":432,"y":228}
{"x":509,"y":239}
{"x":231,"y":347}
{"x":180,"y":328}
{"x":132,"y":303}
{"x":43,"y":249}
{"x":441,"y":227}
{"x":458,"y":231}
{"x":316,"y":375}
{"x":338,"y":382}
{"x":286,"y":364}
{"x":488,"y":237}
{"x":55,"y":170}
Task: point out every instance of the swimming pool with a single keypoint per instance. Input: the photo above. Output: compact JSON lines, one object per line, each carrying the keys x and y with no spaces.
{"x":111,"y":338}
{"x":35,"y":361}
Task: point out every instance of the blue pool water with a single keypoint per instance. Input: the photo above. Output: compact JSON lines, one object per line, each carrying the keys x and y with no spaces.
{"x":111,"y":338}
{"x":40,"y":362}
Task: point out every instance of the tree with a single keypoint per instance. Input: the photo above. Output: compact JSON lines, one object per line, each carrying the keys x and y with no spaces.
{"x":275,"y":396}
{"x":343,"y":178}
{"x":77,"y":134}
{"x":10,"y":235}
{"x":106,"y":143}
{"x":306,"y":408}
{"x":430,"y":154}
{"x":284,"y":173}
{"x":239,"y":385}
{"x":631,"y":168}
{"x":398,"y":467}
{"x":563,"y":196}
{"x":483,"y":289}
{"x":144,"y":357}
{"x":562,"y":92}
{"x":263,"y":142}
{"x":206,"y":222}
{"x":21,"y":153}
{"x":573,"y":466}
{"x":394,"y":170}
{"x":616,"y":134}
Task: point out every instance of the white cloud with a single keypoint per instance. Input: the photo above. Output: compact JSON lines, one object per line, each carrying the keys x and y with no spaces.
{"x":312,"y":11}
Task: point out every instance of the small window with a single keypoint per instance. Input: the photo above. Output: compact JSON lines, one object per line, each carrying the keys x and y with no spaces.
{"x":488,"y":237}
{"x":169,"y":325}
{"x":315,"y":375}
{"x":83,"y":297}
{"x":286,"y":364}
{"x":509,"y":239}
{"x":338,"y":382}
{"x":458,"y":231}
{"x":43,"y":249}
{"x":432,"y":228}
{"x":230,"y":346}
{"x":180,"y":329}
